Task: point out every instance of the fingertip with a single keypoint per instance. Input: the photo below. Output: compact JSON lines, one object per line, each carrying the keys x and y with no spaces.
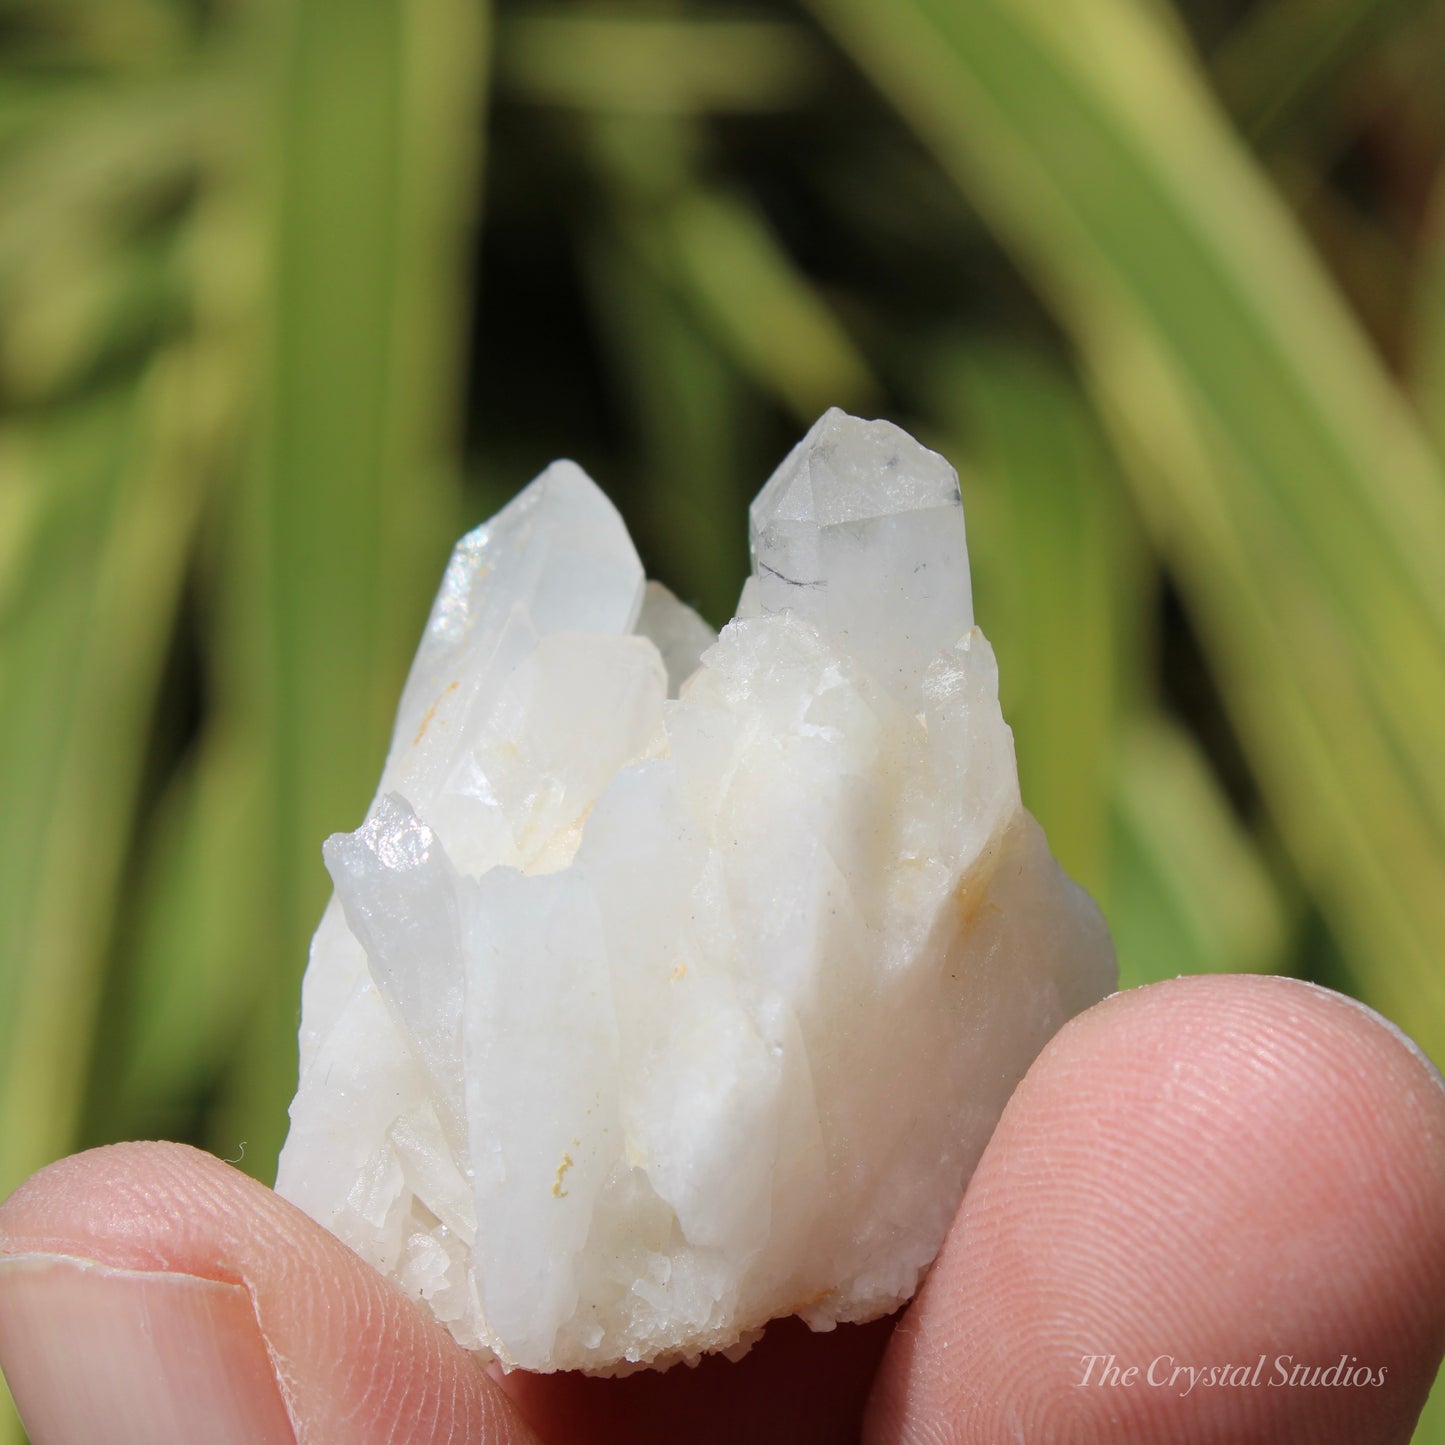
{"x":352,"y":1358}
{"x":1217,"y":1170}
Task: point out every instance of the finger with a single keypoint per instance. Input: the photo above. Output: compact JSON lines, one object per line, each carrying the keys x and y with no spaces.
{"x":150,"y":1294}
{"x":1210,"y":1172}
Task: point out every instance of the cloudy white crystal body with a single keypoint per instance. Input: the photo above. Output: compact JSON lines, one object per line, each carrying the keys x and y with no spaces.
{"x":674,"y":984}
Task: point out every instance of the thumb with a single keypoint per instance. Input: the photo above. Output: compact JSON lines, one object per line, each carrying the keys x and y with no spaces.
{"x":150,"y":1294}
{"x":102,"y":1354}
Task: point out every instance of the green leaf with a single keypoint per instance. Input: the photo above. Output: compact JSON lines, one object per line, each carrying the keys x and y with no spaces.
{"x":1277,"y":61}
{"x":717,"y":251}
{"x":86,"y":630}
{"x":191,"y":978}
{"x":1293,"y":492}
{"x":1427,"y":341}
{"x":1339,"y":795}
{"x":656,"y":64}
{"x":341,"y":534}
{"x":80,"y":306}
{"x":697,"y":425}
{"x":98,"y":164}
{"x":1192,"y":893}
{"x":763,"y":310}
{"x":135,"y":34}
{"x":1431,"y":1428}
{"x":1062,"y":585}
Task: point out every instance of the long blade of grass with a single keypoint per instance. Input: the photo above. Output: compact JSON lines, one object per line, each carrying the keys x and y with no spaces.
{"x":84,"y":306}
{"x":1274,"y":65}
{"x":697,"y":425}
{"x":1089,"y":141}
{"x":1191,"y":893}
{"x":191,"y":981}
{"x":1062,"y":580}
{"x":1065,"y":589}
{"x":87,"y":631}
{"x":762,"y":309}
{"x":98,"y":500}
{"x":106,"y":157}
{"x":657,"y":64}
{"x":101,"y":33}
{"x":716,"y":250}
{"x":1427,"y":341}
{"x":375,"y":167}
{"x":1343,"y":803}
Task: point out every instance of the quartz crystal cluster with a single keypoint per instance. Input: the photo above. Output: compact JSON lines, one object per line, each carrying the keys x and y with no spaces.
{"x":674,"y":981}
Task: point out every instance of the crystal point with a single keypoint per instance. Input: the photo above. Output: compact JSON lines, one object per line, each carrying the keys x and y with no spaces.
{"x":674,"y":981}
{"x":861,"y":531}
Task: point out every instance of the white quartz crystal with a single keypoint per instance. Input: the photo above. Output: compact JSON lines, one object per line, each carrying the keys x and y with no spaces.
{"x":674,"y":982}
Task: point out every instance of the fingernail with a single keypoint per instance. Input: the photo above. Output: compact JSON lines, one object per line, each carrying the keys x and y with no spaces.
{"x":102,"y":1356}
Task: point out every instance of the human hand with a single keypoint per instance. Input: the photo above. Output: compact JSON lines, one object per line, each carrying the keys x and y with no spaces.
{"x":1210,"y":1172}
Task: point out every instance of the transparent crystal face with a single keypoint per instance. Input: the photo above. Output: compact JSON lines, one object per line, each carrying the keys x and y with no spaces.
{"x":861,"y":531}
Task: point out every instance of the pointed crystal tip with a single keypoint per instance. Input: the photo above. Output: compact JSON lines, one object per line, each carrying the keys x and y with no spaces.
{"x":861,"y":531}
{"x":847,"y":469}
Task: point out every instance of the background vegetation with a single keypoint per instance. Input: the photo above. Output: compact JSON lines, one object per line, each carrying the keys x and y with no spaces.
{"x":294,"y":291}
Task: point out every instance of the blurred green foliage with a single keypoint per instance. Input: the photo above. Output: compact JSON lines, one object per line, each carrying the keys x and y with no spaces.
{"x":1166,"y":281}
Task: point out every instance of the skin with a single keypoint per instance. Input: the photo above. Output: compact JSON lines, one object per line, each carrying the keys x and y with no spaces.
{"x":1205,"y":1172}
